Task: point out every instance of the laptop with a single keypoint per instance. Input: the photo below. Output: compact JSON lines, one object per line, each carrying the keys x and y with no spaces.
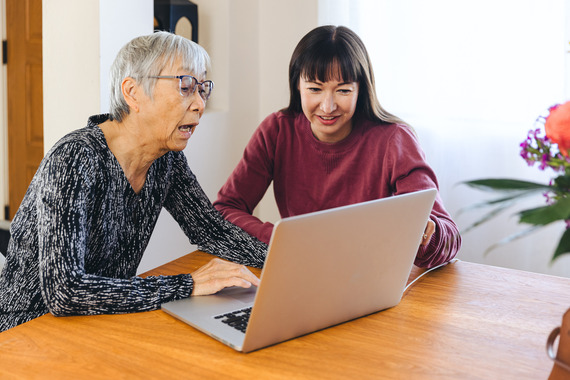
{"x":322,"y":269}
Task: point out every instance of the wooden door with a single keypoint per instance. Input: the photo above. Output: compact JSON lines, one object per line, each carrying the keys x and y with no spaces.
{"x":25,"y":96}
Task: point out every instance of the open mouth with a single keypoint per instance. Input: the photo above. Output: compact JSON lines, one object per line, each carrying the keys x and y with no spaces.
{"x":328,"y":120}
{"x":187,"y":128}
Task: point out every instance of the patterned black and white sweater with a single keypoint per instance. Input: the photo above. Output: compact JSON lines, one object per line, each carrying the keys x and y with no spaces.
{"x":80,"y":232}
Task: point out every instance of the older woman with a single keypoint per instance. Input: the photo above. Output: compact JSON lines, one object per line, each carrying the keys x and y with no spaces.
{"x":89,"y":212}
{"x":332,"y":146}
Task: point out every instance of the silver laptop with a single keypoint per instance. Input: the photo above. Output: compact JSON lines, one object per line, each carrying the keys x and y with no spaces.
{"x":322,"y":269}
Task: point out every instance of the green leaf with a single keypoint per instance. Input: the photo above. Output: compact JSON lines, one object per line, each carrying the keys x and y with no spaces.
{"x":505,"y":184}
{"x":547,"y":214}
{"x":563,"y":246}
{"x":490,"y":215}
{"x":511,"y":238}
{"x":509,"y":200}
{"x":562,"y":182}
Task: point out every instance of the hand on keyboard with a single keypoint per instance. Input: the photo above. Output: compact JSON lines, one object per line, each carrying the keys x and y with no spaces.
{"x":219,"y":274}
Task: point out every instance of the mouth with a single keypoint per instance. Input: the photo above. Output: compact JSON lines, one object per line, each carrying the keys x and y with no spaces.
{"x":187,"y":128}
{"x":328,"y":119}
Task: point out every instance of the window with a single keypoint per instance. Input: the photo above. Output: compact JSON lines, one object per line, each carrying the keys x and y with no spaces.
{"x":471,"y":77}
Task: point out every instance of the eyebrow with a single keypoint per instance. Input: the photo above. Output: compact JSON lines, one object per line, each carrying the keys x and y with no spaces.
{"x":319,"y":82}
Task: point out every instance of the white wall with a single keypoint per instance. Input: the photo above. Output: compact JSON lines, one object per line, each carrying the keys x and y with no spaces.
{"x":80,"y":40}
{"x":115,"y":30}
{"x":70,"y":65}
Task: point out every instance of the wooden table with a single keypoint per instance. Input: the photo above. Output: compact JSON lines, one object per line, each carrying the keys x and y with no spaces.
{"x":463,"y":321}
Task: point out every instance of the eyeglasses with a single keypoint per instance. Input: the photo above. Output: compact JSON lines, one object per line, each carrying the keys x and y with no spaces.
{"x":188,"y":84}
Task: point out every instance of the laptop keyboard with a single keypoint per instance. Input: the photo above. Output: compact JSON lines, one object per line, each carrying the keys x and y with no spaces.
{"x":237,"y":319}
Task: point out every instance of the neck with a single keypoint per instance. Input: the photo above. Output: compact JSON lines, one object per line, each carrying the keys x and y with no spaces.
{"x":131,"y":149}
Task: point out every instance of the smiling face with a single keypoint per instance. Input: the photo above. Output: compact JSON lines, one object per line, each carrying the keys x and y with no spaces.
{"x":329,"y":106}
{"x":169,"y":117}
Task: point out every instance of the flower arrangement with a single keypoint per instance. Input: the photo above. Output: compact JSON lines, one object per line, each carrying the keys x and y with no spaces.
{"x":550,"y":150}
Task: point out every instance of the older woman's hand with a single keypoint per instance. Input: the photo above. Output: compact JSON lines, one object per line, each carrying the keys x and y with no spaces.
{"x":219,"y":274}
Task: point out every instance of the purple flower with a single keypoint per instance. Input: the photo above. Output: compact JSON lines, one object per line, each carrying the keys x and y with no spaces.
{"x":544,"y":161}
{"x":549,"y":199}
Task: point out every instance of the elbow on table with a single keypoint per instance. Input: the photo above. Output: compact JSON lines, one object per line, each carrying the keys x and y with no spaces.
{"x":60,"y":308}
{"x":61,"y":302}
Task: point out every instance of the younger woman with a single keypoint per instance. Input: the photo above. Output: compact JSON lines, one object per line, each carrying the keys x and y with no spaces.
{"x":332,"y":146}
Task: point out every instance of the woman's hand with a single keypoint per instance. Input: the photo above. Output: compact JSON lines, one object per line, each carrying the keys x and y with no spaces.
{"x":219,"y":274}
{"x":428,"y":232}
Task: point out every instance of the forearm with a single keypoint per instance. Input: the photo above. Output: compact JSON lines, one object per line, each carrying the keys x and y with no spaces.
{"x":90,"y":295}
{"x":230,"y":242}
{"x":206,"y":227}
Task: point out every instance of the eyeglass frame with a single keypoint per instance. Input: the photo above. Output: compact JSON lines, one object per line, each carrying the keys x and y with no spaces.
{"x":194,"y":80}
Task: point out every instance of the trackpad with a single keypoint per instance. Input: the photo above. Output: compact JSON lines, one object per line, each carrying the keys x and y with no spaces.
{"x":245,"y":295}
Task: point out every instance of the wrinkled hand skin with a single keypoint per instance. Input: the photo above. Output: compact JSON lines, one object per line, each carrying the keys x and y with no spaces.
{"x":219,"y":274}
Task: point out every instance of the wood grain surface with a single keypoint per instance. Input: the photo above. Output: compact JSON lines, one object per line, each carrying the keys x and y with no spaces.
{"x":463,"y":321}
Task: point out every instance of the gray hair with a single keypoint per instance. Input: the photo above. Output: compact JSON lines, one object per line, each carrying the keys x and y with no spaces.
{"x":147,"y":56}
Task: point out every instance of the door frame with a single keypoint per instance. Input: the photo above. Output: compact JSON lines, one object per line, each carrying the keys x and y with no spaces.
{"x":3,"y":121}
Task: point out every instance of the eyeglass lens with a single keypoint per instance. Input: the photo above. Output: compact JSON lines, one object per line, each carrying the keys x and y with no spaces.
{"x":188,"y":86}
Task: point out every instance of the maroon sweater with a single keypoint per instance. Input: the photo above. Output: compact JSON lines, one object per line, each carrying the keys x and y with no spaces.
{"x":374,"y":161}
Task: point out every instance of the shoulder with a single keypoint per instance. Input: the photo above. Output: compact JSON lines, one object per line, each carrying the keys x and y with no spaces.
{"x":389,"y":132}
{"x":83,"y":150}
{"x":280,"y":120}
{"x":385,"y":128}
{"x":392,"y":140}
{"x":280,"y":127}
{"x":275,"y":128}
{"x":89,"y":138}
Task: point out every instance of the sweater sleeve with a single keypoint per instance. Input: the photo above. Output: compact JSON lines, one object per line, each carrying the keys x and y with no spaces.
{"x":410,"y":172}
{"x":249,"y":181}
{"x":204,"y":225}
{"x":63,"y":230}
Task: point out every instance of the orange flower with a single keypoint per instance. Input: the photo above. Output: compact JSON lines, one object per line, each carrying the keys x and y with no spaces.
{"x":557,"y":127}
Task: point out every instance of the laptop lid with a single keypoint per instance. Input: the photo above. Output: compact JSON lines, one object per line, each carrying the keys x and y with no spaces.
{"x":322,"y":269}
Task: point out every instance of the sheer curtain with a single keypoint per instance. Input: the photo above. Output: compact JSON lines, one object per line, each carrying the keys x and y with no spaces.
{"x":471,"y":77}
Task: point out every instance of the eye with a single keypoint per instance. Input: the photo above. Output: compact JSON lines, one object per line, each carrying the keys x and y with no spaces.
{"x":187,"y":84}
{"x":313,"y":89}
{"x":346,"y":89}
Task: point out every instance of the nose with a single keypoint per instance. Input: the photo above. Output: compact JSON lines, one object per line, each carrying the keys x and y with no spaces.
{"x":328,"y":103}
{"x":197,"y":104}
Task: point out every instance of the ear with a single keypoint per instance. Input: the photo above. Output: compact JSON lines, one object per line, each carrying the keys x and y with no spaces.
{"x":130,"y":90}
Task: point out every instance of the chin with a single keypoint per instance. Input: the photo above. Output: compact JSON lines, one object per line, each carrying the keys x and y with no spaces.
{"x":178,"y":147}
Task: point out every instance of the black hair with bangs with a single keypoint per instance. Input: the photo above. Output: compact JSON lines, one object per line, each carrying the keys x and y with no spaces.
{"x":329,"y":60}
{"x":336,"y":53}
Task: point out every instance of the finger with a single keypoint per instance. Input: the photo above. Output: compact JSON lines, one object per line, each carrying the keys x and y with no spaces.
{"x":219,"y":274}
{"x":224,"y":269}
{"x":428,"y":233}
{"x":215,"y":285}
